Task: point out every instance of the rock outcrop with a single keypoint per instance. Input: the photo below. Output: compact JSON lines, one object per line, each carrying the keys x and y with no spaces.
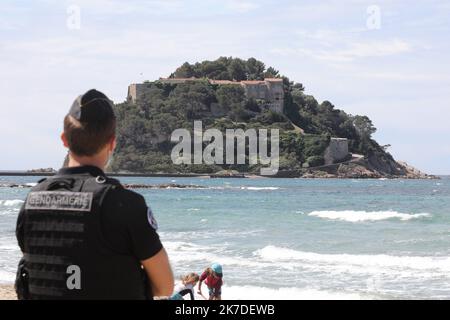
{"x":367,"y":168}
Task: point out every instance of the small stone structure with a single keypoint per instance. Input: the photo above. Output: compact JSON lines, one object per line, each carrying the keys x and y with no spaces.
{"x":270,"y":90}
{"x":337,"y":151}
{"x":136,"y":91}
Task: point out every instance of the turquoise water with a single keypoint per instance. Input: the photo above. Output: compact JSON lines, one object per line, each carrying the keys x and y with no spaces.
{"x":294,"y":238}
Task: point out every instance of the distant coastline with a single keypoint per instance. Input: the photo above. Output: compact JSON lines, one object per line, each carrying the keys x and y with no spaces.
{"x":310,"y":174}
{"x":24,"y":173}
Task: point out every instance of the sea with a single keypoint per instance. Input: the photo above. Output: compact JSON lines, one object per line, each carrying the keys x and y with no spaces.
{"x":292,"y":238}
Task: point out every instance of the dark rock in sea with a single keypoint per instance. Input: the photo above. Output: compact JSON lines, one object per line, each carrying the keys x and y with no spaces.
{"x":126,"y":185}
{"x":42,"y":170}
{"x":14,"y":185}
{"x":162,"y":186}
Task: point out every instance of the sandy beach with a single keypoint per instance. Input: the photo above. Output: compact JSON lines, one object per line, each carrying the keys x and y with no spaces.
{"x":7,"y":292}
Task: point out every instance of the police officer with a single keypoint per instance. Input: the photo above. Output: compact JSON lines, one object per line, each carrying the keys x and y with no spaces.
{"x":83,"y":236}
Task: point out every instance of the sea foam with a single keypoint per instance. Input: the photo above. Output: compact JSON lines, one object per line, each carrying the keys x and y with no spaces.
{"x":7,"y":277}
{"x":260,"y":188}
{"x":11,"y":203}
{"x":248,"y":292}
{"x":361,"y":216}
{"x":279,"y":254}
{"x":286,"y":293}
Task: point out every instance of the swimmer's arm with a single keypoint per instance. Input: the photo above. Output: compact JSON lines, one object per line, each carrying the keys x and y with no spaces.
{"x":200,"y":286}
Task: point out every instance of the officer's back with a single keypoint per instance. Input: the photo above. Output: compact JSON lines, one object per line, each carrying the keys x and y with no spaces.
{"x":83,"y":236}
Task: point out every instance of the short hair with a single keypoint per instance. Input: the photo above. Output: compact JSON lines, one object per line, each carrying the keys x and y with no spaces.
{"x":95,"y":128}
{"x":190,"y":277}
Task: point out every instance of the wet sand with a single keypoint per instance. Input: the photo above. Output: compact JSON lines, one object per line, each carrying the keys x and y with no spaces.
{"x":7,"y":292}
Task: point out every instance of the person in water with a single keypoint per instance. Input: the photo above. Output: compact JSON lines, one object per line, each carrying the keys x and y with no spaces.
{"x":186,"y":287}
{"x":213,"y":280}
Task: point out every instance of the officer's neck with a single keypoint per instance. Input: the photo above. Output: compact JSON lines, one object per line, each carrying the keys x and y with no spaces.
{"x":98,"y":161}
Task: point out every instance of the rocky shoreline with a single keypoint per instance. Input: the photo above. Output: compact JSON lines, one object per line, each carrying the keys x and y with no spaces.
{"x":359,"y":169}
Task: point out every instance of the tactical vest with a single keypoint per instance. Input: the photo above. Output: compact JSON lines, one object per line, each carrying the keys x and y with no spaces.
{"x":65,"y":253}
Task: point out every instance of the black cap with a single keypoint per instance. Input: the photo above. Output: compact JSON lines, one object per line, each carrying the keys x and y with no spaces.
{"x":93,"y":106}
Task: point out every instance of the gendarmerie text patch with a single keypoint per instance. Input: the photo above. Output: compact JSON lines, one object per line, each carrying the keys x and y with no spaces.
{"x":59,"y":200}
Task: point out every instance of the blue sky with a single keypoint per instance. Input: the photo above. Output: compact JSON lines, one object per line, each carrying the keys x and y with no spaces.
{"x":397,"y":74}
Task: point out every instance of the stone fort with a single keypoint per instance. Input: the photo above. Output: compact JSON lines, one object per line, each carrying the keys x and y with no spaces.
{"x":270,"y":91}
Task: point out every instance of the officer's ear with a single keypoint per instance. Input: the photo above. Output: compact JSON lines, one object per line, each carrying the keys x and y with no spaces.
{"x":112,"y":144}
{"x":64,"y":140}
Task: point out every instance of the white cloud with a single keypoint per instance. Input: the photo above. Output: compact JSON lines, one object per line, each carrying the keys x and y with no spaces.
{"x":404,"y":76}
{"x":351,"y":51}
{"x":8,"y":25}
{"x":117,"y":7}
{"x":241,"y":6}
{"x":375,"y":49}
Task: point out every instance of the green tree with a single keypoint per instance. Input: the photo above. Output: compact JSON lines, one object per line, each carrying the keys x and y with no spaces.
{"x":364,"y":126}
{"x":229,"y":96}
{"x":255,"y":69}
{"x":185,"y":71}
{"x":271,"y":73}
{"x":237,"y":70}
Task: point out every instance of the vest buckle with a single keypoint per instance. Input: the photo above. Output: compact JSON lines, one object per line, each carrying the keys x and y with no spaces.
{"x":100,"y":179}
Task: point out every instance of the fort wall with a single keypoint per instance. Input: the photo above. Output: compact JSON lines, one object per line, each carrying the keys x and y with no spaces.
{"x":269,"y":90}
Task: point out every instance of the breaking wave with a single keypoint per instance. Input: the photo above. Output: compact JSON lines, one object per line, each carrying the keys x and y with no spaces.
{"x":260,"y":188}
{"x":264,"y":293}
{"x":278,"y":254}
{"x":360,"y":216}
{"x":7,"y":277}
{"x":11,"y":203}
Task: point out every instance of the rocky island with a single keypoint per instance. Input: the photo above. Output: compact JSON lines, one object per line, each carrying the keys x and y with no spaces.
{"x":317,"y":140}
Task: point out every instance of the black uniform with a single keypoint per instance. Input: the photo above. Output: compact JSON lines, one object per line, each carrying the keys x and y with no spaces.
{"x":80,"y":220}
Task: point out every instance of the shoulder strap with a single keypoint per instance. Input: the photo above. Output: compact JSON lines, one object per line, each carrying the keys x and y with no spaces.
{"x":99,"y":186}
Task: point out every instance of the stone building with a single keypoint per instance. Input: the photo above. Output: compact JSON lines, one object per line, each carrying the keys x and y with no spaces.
{"x":135,"y":91}
{"x":337,"y":151}
{"x":269,"y":91}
